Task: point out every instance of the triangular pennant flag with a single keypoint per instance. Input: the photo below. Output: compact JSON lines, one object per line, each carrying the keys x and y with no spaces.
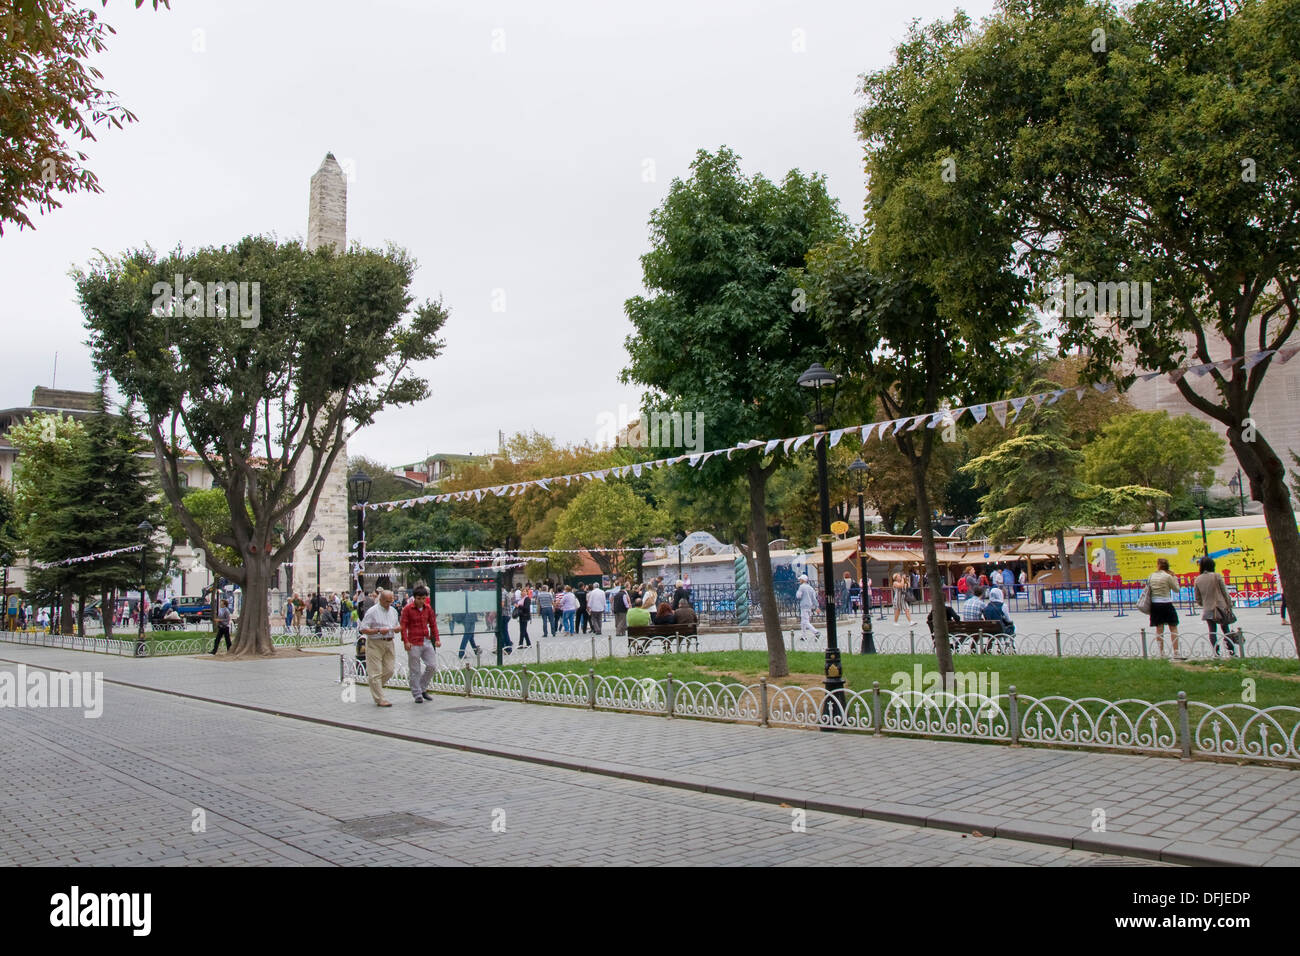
{"x":1078,"y":393}
{"x":636,"y":469}
{"x":1102,"y":387}
{"x":1177,"y":374}
{"x":1017,"y":404}
{"x":1000,"y":412}
{"x":1149,"y":376}
{"x":978,"y":412}
{"x":771,"y":446}
{"x":835,"y":437}
{"x":695,"y":461}
{"x":898,"y":424}
{"x":1201,"y":370}
{"x":917,"y":422}
{"x":957,"y":413}
{"x":1285,"y":355}
{"x":799,"y":442}
{"x":786,"y":444}
{"x":1258,"y":357}
{"x":935,"y":419}
{"x":1056,"y":396}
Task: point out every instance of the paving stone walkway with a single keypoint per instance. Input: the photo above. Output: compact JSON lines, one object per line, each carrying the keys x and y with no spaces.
{"x":1156,"y":808}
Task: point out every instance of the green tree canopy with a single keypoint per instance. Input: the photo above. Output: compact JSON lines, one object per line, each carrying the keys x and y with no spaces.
{"x":265,"y":401}
{"x":720,"y":335}
{"x":1157,"y":450}
{"x":605,"y":514}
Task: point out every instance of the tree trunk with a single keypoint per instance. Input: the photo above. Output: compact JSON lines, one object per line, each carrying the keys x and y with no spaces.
{"x":942,"y":648}
{"x":106,"y":609}
{"x":1267,"y":476}
{"x":66,"y":624}
{"x":777,"y":666}
{"x":253,"y":636}
{"x":1065,"y":558}
{"x":81,"y":615}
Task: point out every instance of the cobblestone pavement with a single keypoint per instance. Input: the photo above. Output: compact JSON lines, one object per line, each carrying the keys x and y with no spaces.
{"x":124,"y":789}
{"x":1167,"y":809}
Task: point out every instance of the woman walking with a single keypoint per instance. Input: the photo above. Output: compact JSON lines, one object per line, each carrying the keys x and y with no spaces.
{"x":1164,"y":589}
{"x":1212,"y":595}
{"x":900,"y":584}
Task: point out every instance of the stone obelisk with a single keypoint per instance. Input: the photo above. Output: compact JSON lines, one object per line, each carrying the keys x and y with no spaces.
{"x":327,"y":225}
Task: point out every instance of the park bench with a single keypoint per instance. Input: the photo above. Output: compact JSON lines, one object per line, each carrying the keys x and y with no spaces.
{"x":981,"y":637}
{"x":643,"y":637}
{"x":977,"y":636}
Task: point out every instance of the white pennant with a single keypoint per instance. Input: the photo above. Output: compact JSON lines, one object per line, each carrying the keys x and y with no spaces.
{"x":978,"y":412}
{"x":800,"y":441}
{"x":1000,"y":412}
{"x":836,"y":436}
{"x":916,"y":422}
{"x":1017,"y":404}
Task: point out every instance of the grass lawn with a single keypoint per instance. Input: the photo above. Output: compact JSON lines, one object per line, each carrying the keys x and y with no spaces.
{"x":1276,"y":681}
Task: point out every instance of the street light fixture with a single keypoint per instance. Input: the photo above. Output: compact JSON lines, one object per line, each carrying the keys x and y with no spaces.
{"x":361,"y":483}
{"x":859,"y":470}
{"x":6,"y":559}
{"x":318,"y":543}
{"x":145,"y":531}
{"x":1239,"y":486}
{"x":1202,"y":498}
{"x":818,"y":378}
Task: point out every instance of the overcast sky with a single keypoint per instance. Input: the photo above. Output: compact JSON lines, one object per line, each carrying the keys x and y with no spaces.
{"x":511,"y":146}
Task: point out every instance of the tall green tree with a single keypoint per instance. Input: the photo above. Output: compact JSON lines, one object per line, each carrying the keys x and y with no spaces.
{"x":1157,"y":144}
{"x":719,"y":334}
{"x":1157,"y":450}
{"x":266,"y":405}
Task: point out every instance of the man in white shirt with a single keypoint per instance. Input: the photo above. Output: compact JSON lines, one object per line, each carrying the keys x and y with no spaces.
{"x":379,"y":625}
{"x":595,"y":607}
{"x":807,"y":599}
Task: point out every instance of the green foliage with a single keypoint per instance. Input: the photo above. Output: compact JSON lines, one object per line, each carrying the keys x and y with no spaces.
{"x":210,"y":510}
{"x":50,"y":94}
{"x":1157,"y":450}
{"x":605,"y":514}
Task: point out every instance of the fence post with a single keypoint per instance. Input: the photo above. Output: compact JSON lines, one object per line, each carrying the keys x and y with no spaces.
{"x":593,"y":647}
{"x":1014,"y":700}
{"x":875,"y":707}
{"x":609,"y":643}
{"x":792,"y":642}
{"x":671,"y":702}
{"x":1144,"y":642}
{"x":740,"y":638}
{"x":340,"y":668}
{"x":591,"y":687}
{"x":1058,"y":642}
{"x":469,"y":681}
{"x":539,"y":652}
{"x":478,"y":656}
{"x":1184,"y":726}
{"x":1241,"y":643}
{"x":523,"y":685}
{"x":762,"y":700}
{"x":911,"y":637}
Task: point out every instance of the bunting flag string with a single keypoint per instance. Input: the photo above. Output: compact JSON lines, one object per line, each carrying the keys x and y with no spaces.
{"x":81,"y":559}
{"x":977,"y":411}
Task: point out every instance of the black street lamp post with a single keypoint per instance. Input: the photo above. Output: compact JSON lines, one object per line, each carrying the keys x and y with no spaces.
{"x":6,"y":559}
{"x":145,"y":530}
{"x":1201,"y":497}
{"x":318,"y":543}
{"x":361,"y":483}
{"x":818,"y":378}
{"x":859,"y":471}
{"x":1239,"y":486}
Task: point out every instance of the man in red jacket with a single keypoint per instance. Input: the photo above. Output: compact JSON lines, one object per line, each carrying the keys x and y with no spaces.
{"x":420,"y":637}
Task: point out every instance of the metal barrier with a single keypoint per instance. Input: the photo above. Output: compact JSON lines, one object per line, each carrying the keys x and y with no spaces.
{"x":1177,"y":727}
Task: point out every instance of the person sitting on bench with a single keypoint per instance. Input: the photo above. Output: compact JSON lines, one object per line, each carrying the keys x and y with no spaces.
{"x":639,"y":616}
{"x":663,"y":615}
{"x":685,"y":614}
{"x":952,"y":616}
{"x":995,"y":610}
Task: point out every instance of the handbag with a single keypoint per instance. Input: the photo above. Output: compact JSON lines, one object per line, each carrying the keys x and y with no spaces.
{"x":514,"y":614}
{"x":1144,"y":602}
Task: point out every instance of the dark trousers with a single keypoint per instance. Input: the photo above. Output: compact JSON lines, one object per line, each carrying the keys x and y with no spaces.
{"x":548,"y":621}
{"x":524,"y":639}
{"x":222,"y":631}
{"x":582,"y":620}
{"x":1229,"y":638}
{"x":468,"y":639}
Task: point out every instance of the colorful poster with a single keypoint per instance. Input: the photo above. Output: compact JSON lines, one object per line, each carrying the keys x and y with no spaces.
{"x":1237,"y":552}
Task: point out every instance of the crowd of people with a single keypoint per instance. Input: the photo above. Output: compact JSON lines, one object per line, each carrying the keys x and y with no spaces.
{"x":581,"y":609}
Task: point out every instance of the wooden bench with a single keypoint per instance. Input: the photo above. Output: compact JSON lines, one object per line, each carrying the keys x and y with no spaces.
{"x":981,"y":637}
{"x":641,"y":638}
